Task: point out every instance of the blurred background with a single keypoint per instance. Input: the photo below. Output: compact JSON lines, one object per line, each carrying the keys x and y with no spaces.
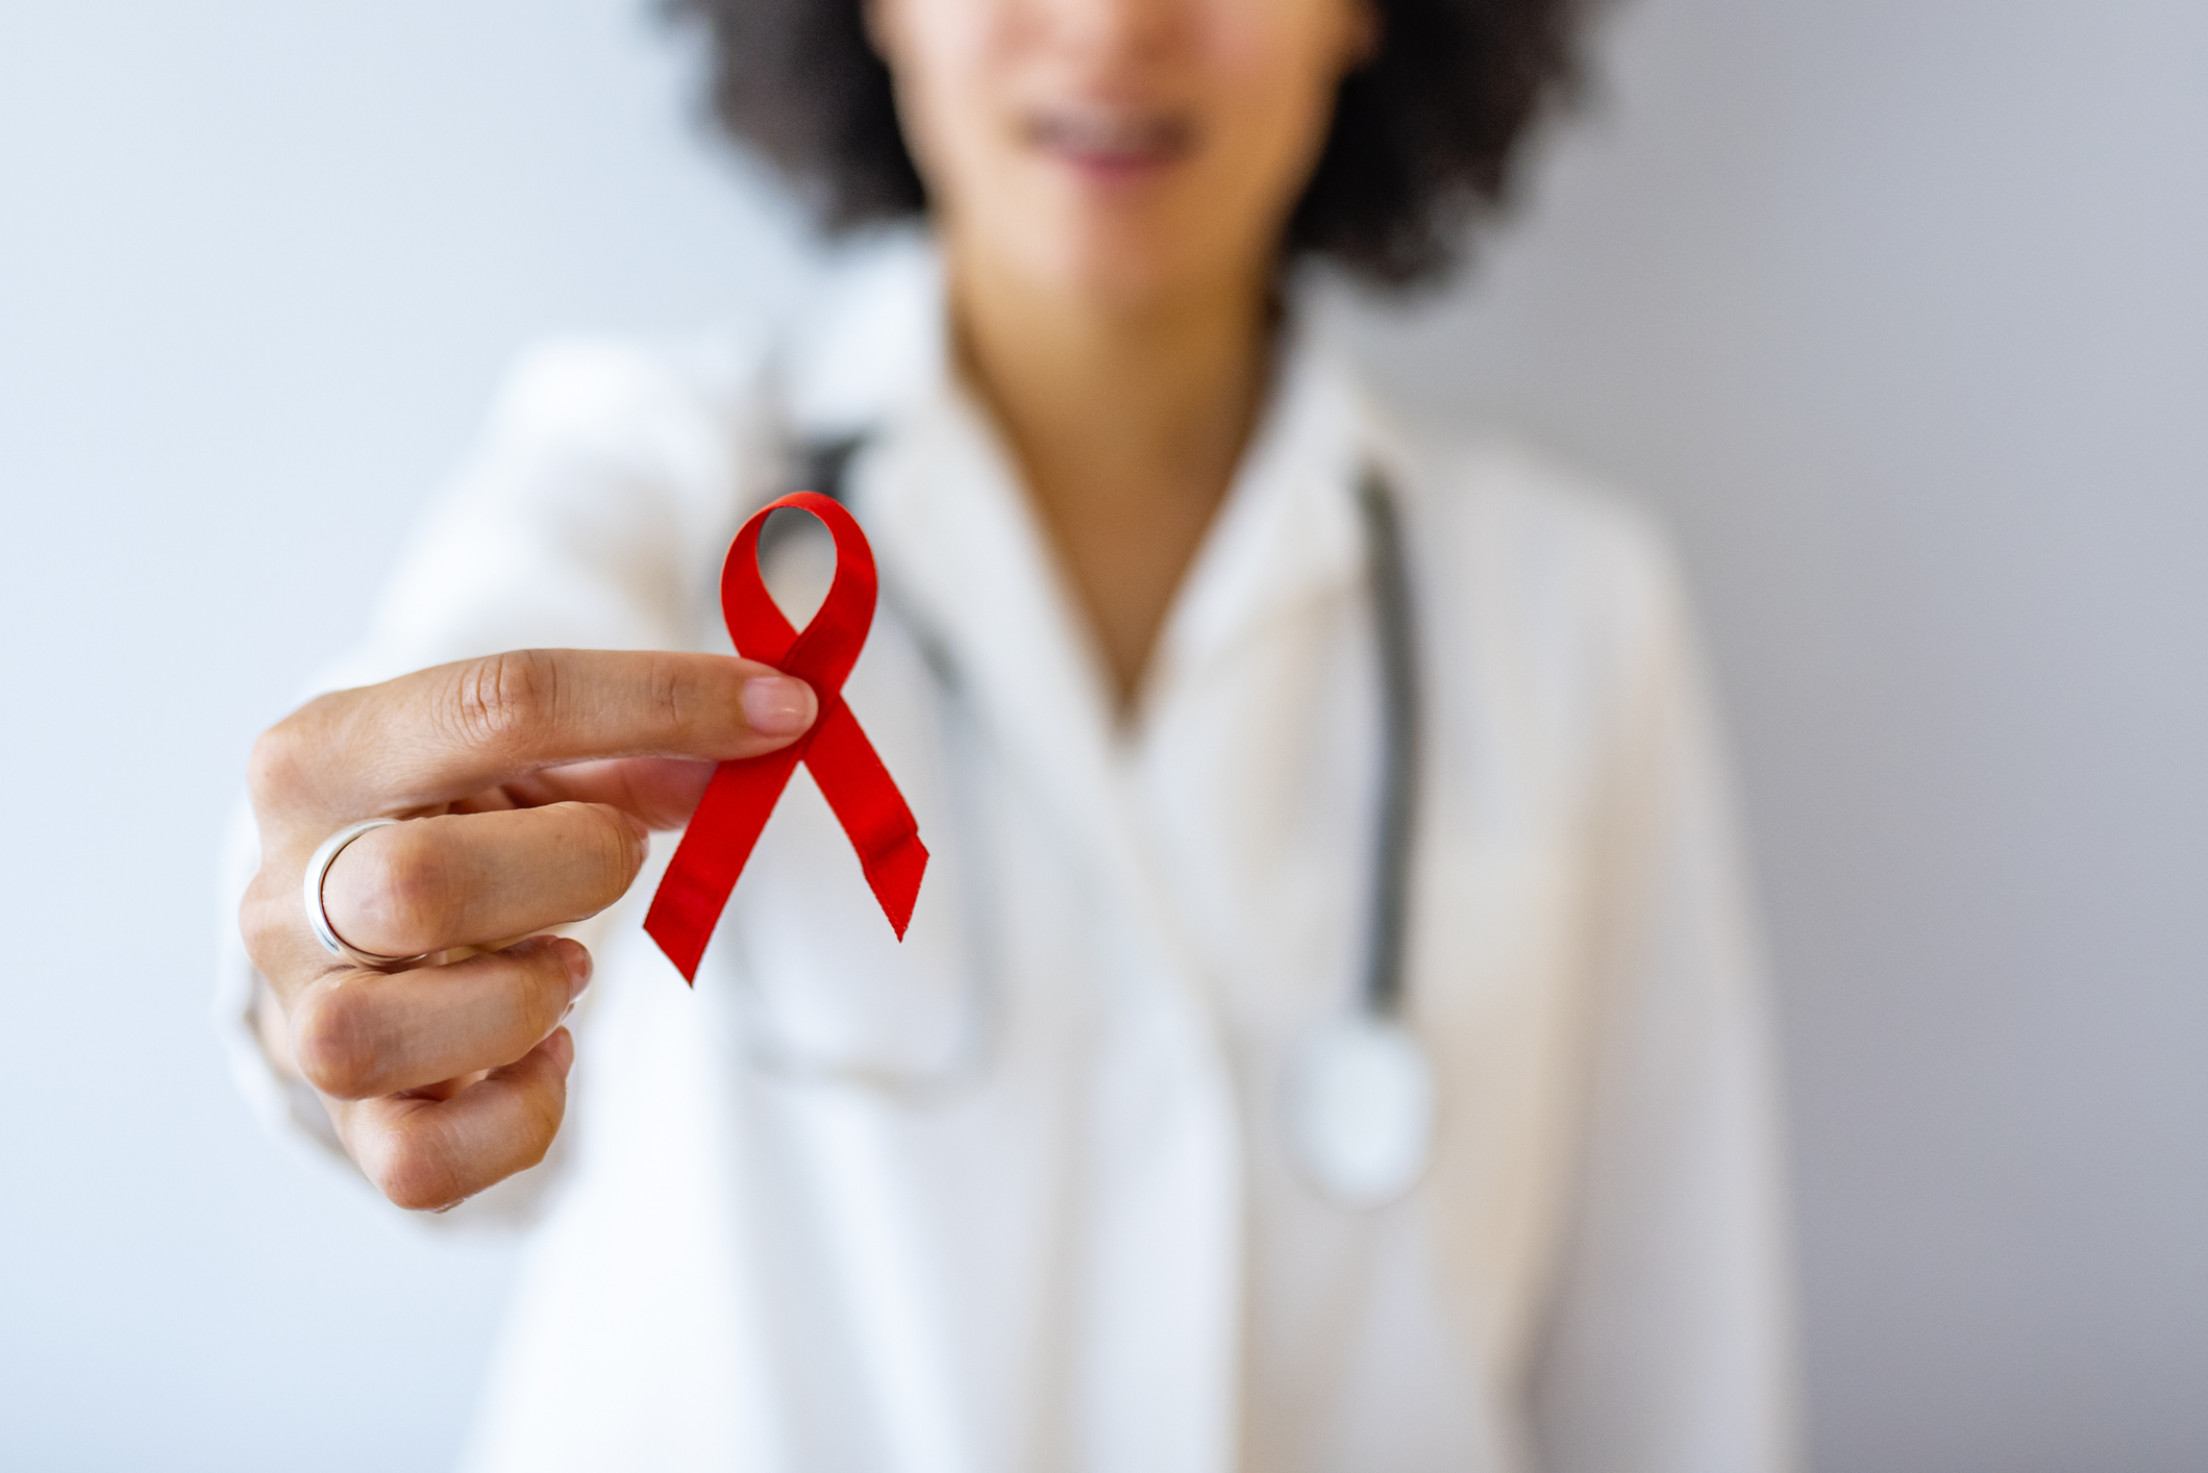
{"x":1896,"y":309}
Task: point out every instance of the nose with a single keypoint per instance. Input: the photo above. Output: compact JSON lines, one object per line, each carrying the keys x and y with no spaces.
{"x":1116,"y":31}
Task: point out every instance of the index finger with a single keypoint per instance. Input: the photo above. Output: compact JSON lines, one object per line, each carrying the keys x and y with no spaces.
{"x":440,"y":734}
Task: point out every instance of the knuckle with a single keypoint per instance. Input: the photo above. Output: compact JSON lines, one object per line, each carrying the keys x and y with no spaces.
{"x":406,"y":895}
{"x":337,"y":1041}
{"x":535,"y":992}
{"x":262,"y":919}
{"x":419,"y":1168}
{"x":542,"y":1112}
{"x":674,"y":695}
{"x":620,"y":850}
{"x":497,"y":697}
{"x":276,"y":768}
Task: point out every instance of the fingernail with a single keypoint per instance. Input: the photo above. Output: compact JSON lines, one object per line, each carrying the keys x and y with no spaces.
{"x":560,"y":1047}
{"x":777,"y":705}
{"x":576,"y":956}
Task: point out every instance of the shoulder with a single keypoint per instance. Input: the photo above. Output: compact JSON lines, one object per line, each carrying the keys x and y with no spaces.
{"x":1564,"y":588}
{"x":633,"y":395}
{"x":659,"y":431}
{"x":1562,"y":541}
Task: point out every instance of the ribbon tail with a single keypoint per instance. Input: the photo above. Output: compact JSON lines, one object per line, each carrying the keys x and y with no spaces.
{"x":714,"y":848}
{"x":865,"y":800}
{"x":894,"y":877}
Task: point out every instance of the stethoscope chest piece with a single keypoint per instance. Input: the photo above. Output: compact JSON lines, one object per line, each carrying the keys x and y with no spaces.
{"x":1360,"y":1109}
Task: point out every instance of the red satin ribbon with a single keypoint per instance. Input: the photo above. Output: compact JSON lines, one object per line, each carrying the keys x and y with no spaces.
{"x":742,"y":793}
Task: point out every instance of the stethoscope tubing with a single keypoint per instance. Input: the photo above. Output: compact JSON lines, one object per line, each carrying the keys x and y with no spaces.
{"x":1374,"y":1033}
{"x":825,"y":465}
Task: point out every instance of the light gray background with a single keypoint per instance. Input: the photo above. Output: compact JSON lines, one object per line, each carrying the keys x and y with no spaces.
{"x":1895,"y":307}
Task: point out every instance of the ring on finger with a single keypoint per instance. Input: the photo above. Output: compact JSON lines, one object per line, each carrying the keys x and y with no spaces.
{"x":318,"y":916}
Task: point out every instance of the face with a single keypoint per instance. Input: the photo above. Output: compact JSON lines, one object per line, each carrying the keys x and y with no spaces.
{"x":1123,"y":150}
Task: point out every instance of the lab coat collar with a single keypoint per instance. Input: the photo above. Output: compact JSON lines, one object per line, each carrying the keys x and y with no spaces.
{"x":875,"y":361}
{"x":957,"y":540}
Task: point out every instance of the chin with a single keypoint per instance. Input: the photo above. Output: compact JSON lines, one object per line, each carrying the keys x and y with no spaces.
{"x":1118,"y":265}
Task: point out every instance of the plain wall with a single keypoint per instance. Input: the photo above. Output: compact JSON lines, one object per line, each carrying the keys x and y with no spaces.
{"x":1894,"y":307}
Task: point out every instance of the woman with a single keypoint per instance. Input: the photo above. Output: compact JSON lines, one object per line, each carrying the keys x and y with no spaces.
{"x":1031,"y":1189}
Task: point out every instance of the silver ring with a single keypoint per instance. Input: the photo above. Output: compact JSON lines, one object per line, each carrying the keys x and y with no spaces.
{"x":318,"y":869}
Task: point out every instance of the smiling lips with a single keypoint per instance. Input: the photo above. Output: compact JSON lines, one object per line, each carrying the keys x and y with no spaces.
{"x":1112,"y":143}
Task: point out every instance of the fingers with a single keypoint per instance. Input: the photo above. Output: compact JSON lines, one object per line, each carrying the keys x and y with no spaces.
{"x":359,"y":1034}
{"x":439,"y":734}
{"x":428,"y":1154}
{"x":464,"y":879}
{"x":529,"y":764}
{"x":662,"y":791}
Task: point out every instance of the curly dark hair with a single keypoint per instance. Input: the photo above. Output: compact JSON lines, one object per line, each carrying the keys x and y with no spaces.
{"x":1425,"y":137}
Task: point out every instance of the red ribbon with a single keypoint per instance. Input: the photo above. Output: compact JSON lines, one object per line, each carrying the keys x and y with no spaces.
{"x":851,"y":777}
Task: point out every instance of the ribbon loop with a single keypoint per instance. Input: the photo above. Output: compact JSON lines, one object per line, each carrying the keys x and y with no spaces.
{"x":860,"y":792}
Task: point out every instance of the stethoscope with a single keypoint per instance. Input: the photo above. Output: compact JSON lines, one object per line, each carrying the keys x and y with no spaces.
{"x":1358,"y":1100}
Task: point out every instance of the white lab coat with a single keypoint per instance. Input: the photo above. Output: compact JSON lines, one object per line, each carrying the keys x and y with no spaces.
{"x":1095,"y":1253}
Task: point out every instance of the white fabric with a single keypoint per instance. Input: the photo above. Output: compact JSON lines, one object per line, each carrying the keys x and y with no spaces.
{"x":1095,"y":1253}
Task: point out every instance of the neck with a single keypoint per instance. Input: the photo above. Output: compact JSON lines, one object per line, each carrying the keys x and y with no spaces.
{"x":1127,"y":424}
{"x":1139,"y":405}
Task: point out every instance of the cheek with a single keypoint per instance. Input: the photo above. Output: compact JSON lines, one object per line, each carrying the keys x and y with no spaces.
{"x":1272,"y":99}
{"x":943,"y":67}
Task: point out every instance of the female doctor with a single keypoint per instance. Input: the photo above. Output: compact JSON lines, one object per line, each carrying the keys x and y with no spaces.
{"x":1331,"y":1033}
